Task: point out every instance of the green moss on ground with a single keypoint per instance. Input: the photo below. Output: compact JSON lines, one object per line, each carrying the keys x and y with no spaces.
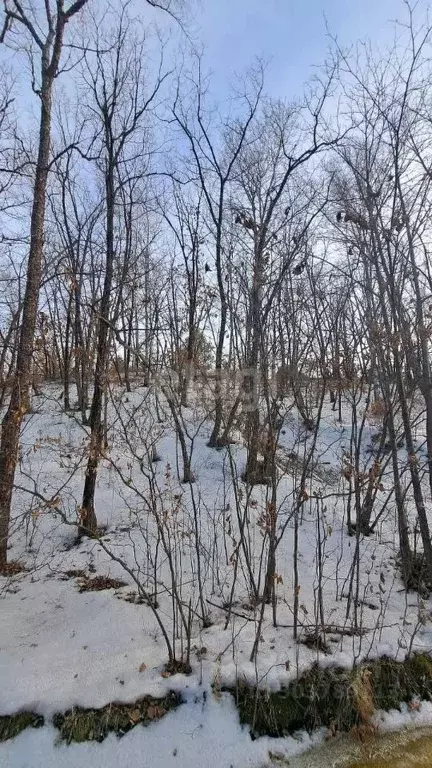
{"x":12,"y":725}
{"x":94,"y":724}
{"x":337,"y":698}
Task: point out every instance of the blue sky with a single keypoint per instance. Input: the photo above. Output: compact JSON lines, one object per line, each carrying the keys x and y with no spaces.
{"x":289,"y":34}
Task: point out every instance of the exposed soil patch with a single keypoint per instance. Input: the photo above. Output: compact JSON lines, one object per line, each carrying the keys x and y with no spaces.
{"x":94,"y":724}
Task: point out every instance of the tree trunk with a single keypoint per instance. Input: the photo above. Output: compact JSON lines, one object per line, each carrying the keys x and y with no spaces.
{"x":20,"y":395}
{"x":214,"y":437}
{"x":253,"y":419}
{"x":66,"y":360}
{"x":88,"y":523}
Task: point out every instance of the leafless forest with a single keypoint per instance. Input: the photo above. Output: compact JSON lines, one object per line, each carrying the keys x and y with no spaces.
{"x":215,"y":333}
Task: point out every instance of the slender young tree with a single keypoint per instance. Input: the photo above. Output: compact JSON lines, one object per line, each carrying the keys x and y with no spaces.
{"x":119,"y":101}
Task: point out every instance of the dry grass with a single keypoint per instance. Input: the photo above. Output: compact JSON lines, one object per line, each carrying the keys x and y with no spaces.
{"x":94,"y":724}
{"x":99,"y":583}
{"x":12,"y":725}
{"x":12,"y":569}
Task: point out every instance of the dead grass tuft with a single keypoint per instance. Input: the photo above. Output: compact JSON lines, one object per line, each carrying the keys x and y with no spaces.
{"x":99,"y":583}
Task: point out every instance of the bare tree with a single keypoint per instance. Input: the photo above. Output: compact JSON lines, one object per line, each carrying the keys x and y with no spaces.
{"x":215,"y":167}
{"x":22,"y":25}
{"x":119,"y":101}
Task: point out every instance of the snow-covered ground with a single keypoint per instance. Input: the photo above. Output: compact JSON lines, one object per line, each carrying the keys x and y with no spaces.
{"x":60,"y":647}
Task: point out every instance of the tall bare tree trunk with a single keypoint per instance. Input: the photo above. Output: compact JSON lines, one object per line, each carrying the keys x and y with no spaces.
{"x":20,"y":397}
{"x":253,"y":419}
{"x":88,"y":514}
{"x":214,"y":437}
{"x":50,"y":49}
